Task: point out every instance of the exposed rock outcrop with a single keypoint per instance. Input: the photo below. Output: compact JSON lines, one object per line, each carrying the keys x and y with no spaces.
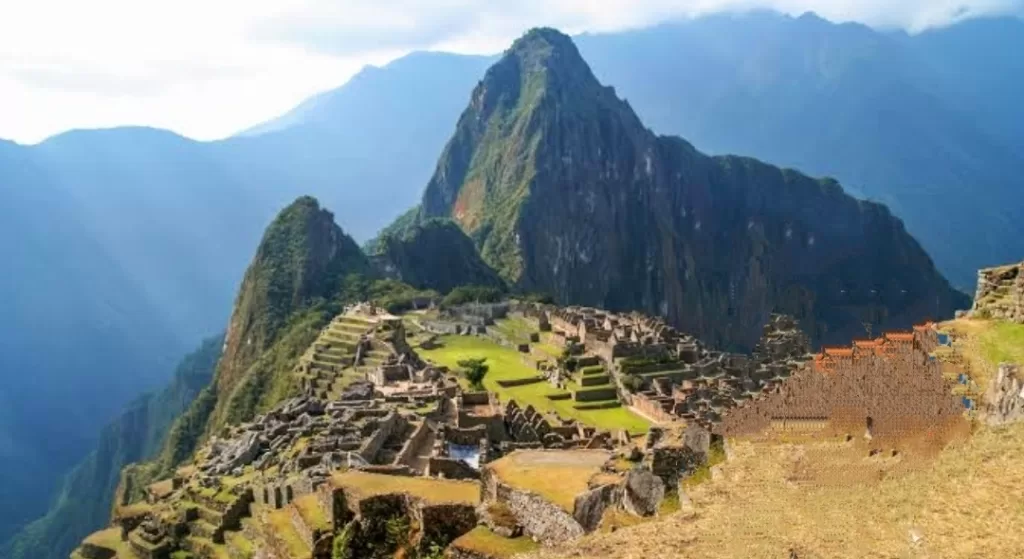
{"x":1005,"y":396}
{"x":565,"y":191}
{"x":642,"y":492}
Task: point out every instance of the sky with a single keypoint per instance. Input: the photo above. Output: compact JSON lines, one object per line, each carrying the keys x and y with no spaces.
{"x":209,"y":68}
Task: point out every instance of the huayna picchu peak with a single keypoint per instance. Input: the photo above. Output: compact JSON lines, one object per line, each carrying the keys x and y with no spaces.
{"x":565,"y":191}
{"x":586,"y":339}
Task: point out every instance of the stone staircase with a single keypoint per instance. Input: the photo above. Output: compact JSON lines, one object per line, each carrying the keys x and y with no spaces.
{"x":328,"y":363}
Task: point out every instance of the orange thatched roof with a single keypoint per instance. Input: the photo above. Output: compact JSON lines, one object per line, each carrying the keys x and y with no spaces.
{"x":866,"y":344}
{"x":838,"y":351}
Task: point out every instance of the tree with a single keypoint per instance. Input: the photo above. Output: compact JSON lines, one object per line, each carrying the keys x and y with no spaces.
{"x":475,"y":370}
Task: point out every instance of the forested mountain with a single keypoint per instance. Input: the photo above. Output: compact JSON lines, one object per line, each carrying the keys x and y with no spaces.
{"x":565,"y":192}
{"x":123,"y":247}
{"x":85,"y":499}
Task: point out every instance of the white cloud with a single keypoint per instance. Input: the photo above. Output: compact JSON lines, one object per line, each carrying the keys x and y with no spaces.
{"x":207,"y":68}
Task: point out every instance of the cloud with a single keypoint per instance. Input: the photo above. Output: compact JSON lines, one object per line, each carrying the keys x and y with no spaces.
{"x":345,"y":28}
{"x":206,"y":68}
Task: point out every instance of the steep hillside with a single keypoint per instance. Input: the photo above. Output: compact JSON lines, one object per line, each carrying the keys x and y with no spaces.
{"x":565,"y":191}
{"x":84,"y":503}
{"x":300,"y":262}
{"x":78,"y":337}
{"x":920,"y":123}
{"x":434,"y":255}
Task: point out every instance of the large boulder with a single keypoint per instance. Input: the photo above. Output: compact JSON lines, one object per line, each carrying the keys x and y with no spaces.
{"x":697,"y":439}
{"x":1005,"y":397}
{"x":589,"y":507}
{"x":358,"y":391}
{"x":642,"y":492}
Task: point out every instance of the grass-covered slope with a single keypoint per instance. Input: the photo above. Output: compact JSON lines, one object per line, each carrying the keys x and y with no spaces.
{"x":84,"y":503}
{"x":434,"y":254}
{"x":565,"y":191}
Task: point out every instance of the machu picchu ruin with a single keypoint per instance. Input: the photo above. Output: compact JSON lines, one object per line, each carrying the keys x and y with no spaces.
{"x":587,"y":417}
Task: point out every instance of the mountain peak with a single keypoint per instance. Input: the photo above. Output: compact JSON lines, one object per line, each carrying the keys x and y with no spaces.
{"x":545,"y":50}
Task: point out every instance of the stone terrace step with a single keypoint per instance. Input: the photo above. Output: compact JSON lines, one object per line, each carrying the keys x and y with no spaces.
{"x":202,"y":529}
{"x":338,"y":349}
{"x":209,"y":515}
{"x":595,"y":380}
{"x":356,"y":329}
{"x":340,"y":338}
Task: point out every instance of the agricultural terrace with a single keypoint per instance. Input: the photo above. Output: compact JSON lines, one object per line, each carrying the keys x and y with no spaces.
{"x":507,"y":364}
{"x":361,"y":485}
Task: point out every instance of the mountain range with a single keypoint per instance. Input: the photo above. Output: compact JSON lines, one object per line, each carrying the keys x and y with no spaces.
{"x":126,"y":244}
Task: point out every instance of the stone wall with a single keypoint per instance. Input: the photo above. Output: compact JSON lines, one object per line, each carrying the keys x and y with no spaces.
{"x":892,"y":393}
{"x":512,"y":383}
{"x":592,"y":395}
{"x":442,"y":523}
{"x":373,"y":444}
{"x":91,"y":551}
{"x":333,"y":501}
{"x":408,"y":455}
{"x":1000,"y":293}
{"x":541,"y":519}
{"x":651,"y":408}
{"x":450,"y":468}
{"x":306,"y":533}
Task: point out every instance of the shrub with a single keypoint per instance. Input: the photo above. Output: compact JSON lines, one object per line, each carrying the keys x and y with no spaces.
{"x":471,"y":294}
{"x":475,"y":370}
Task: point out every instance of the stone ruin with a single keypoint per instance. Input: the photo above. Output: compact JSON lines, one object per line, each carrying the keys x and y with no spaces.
{"x":887,"y":387}
{"x":1000,"y":293}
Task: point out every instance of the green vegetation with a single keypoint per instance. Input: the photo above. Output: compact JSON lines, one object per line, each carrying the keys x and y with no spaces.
{"x":85,"y":500}
{"x":472,"y":294}
{"x":393,"y":295}
{"x":281,"y":524}
{"x":340,"y":546}
{"x":516,"y":329}
{"x":716,"y":455}
{"x":475,"y":370}
{"x":559,"y":478}
{"x":1002,"y":342}
{"x":507,"y":364}
{"x":486,"y":542}
{"x":269,"y":379}
{"x":436,"y":254}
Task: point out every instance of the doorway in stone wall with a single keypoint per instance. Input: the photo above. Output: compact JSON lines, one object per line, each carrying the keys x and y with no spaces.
{"x":870,"y":426}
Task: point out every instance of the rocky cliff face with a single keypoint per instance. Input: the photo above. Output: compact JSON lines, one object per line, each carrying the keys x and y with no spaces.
{"x":563,"y":190}
{"x":434,"y":255}
{"x":302,"y":258}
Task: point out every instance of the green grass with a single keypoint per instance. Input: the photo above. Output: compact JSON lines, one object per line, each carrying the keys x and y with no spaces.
{"x":362,"y":484}
{"x":1003,"y":342}
{"x":506,"y":364}
{"x":484,"y":541}
{"x":516,"y":329}
{"x":283,"y":528}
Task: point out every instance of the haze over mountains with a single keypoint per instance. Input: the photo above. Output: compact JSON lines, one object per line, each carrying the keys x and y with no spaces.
{"x":127,"y":244}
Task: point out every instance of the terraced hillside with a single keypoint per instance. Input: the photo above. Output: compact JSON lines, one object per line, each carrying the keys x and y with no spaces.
{"x":334,"y":360}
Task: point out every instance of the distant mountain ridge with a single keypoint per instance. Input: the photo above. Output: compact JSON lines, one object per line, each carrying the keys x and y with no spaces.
{"x":566,"y":192}
{"x":126,"y":245}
